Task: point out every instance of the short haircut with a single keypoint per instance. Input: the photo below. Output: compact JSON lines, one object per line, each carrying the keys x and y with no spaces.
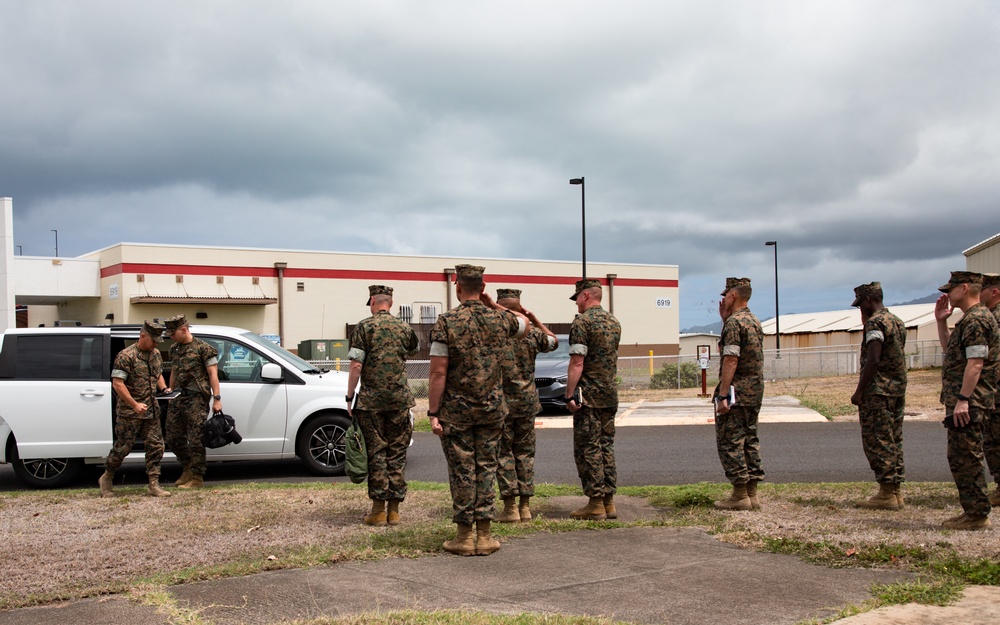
{"x":595,"y":292}
{"x":975,"y":289}
{"x":471,"y":282}
{"x":743,"y":292}
{"x":381,"y":299}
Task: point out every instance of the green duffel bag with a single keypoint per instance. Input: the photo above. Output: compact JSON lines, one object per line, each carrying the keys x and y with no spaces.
{"x":356,"y":454}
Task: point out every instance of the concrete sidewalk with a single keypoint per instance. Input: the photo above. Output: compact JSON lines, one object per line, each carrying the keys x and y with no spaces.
{"x":640,"y":575}
{"x":693,"y":411}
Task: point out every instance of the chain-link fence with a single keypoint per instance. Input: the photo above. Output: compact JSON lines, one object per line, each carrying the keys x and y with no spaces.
{"x":674,"y":372}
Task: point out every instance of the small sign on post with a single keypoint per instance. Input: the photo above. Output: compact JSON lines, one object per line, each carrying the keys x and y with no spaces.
{"x":704,"y":355}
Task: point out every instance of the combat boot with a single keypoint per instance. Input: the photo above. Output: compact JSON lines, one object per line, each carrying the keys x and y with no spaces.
{"x":154,"y":487}
{"x":510,"y":513}
{"x":899,"y":495}
{"x":377,"y":516}
{"x":185,"y":477}
{"x":752,"y":494}
{"x":884,"y":500}
{"x":609,"y":507}
{"x":738,"y":500}
{"x":464,"y":543}
{"x":105,"y":482}
{"x":524,"y":510}
{"x":392,"y":514}
{"x":485,"y":543}
{"x":995,"y":497}
{"x":196,"y":481}
{"x":593,"y":511}
{"x":968,"y":522}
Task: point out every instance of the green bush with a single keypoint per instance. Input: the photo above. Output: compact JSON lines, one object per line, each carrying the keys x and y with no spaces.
{"x":666,"y":377}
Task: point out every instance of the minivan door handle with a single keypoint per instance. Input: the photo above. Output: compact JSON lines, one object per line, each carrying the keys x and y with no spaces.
{"x":89,"y":392}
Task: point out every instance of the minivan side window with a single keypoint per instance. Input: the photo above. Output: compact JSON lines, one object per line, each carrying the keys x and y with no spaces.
{"x":60,"y":357}
{"x":237,"y":362}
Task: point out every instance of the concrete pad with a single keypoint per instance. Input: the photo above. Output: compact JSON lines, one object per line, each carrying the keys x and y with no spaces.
{"x":979,"y":605}
{"x":691,"y":411}
{"x":642,"y":575}
{"x":118,"y":610}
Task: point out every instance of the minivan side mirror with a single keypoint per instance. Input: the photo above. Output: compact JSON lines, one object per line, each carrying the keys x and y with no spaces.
{"x":271,"y":372}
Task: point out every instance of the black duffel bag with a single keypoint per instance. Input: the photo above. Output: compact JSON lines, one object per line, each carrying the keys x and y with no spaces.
{"x":220,"y":430}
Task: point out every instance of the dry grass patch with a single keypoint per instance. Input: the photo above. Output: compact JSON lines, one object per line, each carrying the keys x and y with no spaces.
{"x":831,"y":396}
{"x":73,"y":543}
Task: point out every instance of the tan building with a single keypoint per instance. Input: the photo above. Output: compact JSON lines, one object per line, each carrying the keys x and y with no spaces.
{"x":302,"y":295}
{"x":984,"y":257}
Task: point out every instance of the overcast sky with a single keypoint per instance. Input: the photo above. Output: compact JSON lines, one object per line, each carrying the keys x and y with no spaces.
{"x":863,"y":136}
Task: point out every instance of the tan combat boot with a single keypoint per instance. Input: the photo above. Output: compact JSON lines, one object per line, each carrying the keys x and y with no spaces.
{"x":968,"y":522}
{"x":995,"y":497}
{"x":377,"y":516}
{"x":899,"y":495}
{"x":185,"y":477}
{"x":752,"y":494}
{"x":524,"y":510}
{"x":510,"y":513}
{"x":593,"y":511}
{"x":196,"y":481}
{"x":884,"y":500}
{"x":464,"y":543}
{"x":154,"y":487}
{"x":105,"y":482}
{"x":738,"y":500}
{"x":485,"y":543}
{"x":392,"y":513}
{"x":609,"y":507}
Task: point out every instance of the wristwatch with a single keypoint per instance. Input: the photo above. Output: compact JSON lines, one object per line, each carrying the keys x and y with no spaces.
{"x":433,"y":414}
{"x":349,"y":398}
{"x":961,"y":397}
{"x":218,"y":397}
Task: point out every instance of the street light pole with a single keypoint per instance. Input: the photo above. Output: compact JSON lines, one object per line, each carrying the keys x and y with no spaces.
{"x":777,"y":315}
{"x":57,"y":243}
{"x":583,"y":218}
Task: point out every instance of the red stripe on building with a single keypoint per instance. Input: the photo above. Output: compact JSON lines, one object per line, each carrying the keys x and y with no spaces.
{"x":359,"y":274}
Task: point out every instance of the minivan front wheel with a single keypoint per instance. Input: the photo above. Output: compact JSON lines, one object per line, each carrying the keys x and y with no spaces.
{"x":322,"y":446}
{"x":46,"y":472}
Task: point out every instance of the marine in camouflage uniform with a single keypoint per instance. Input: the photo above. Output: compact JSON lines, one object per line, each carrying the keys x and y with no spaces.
{"x":881,"y":395}
{"x":136,"y":376}
{"x":990,"y":297}
{"x":194,"y":372}
{"x":516,"y":474}
{"x":379,"y":347}
{"x":593,"y":368}
{"x":466,"y":404}
{"x":742,"y":367}
{"x":975,"y":340}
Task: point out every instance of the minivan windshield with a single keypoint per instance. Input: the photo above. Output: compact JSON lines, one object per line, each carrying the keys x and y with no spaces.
{"x":294,"y":360}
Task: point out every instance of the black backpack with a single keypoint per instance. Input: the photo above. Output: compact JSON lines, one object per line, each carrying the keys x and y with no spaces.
{"x":220,"y":430}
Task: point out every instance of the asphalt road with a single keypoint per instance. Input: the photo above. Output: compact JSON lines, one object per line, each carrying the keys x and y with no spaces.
{"x":791,"y":452}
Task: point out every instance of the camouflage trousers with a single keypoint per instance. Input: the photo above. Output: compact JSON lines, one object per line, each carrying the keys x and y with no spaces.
{"x":126,"y":432}
{"x":186,"y":417}
{"x":471,"y":452}
{"x":991,"y":444}
{"x":387,"y":437}
{"x":738,"y":444}
{"x":882,"y":436}
{"x":594,"y":450}
{"x":516,"y":473}
{"x":965,"y":457}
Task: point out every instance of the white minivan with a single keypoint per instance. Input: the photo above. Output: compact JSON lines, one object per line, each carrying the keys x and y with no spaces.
{"x":57,"y":406}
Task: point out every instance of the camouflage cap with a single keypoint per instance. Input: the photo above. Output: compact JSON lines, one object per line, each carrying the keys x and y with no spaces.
{"x":582,"y":285}
{"x":874,"y":288}
{"x":474,"y":271}
{"x":991,"y":280}
{"x":177,"y":321}
{"x":378,"y":289}
{"x":961,"y":277}
{"x":508,"y":294}
{"x":153,"y":329}
{"x":732,"y":283}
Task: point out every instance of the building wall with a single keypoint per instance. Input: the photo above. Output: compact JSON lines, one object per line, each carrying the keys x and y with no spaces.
{"x":323,"y":292}
{"x":985,"y":257}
